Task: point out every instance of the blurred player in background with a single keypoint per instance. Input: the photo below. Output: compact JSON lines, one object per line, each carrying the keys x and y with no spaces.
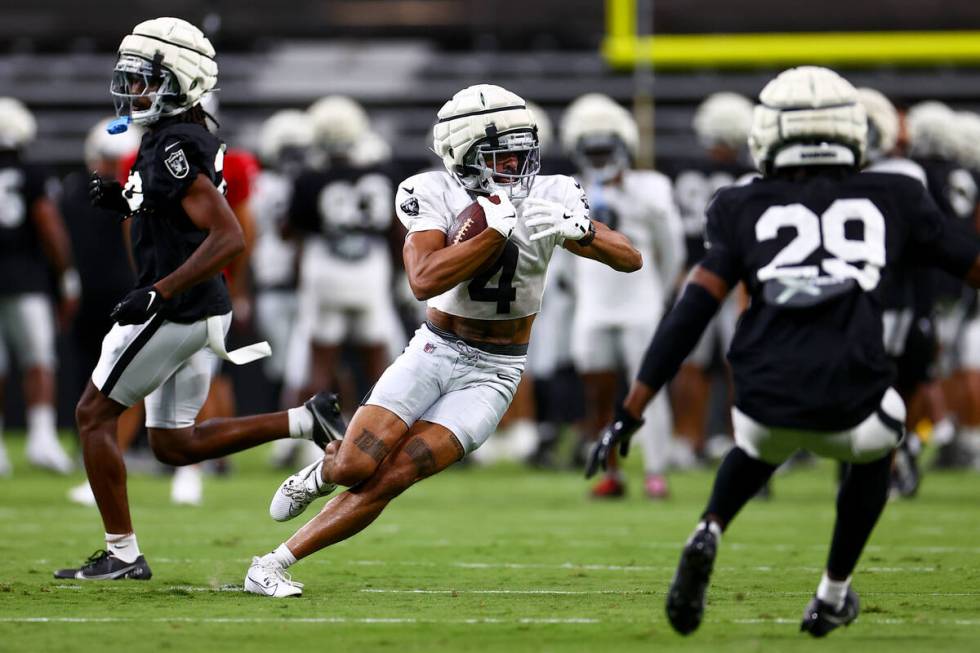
{"x":285,"y":143}
{"x":813,"y":241}
{"x":443,"y":397}
{"x":34,"y":249}
{"x":615,"y":316}
{"x":964,"y":366}
{"x":169,"y":330}
{"x":943,"y":303}
{"x":721,"y":122}
{"x":344,"y":213}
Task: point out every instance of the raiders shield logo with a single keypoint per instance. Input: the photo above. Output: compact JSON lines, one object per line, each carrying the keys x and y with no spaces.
{"x":410,"y":206}
{"x":177,"y":164}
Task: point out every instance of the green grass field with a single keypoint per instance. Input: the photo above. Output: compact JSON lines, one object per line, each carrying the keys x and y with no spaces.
{"x":497,"y":559}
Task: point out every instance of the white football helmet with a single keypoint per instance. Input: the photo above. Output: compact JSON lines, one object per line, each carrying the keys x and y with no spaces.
{"x":546,"y":133}
{"x":931,"y":132}
{"x":285,"y":137}
{"x":17,"y":124}
{"x":370,"y":150}
{"x":599,"y":135}
{"x":723,"y":119}
{"x":883,"y":122}
{"x":338,"y":123}
{"x":808,"y":116}
{"x":968,"y":128}
{"x":100,"y":144}
{"x":488,"y":140}
{"x":164,"y":68}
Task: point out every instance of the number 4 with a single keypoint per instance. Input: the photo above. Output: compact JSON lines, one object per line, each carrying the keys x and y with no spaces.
{"x":504,"y":293}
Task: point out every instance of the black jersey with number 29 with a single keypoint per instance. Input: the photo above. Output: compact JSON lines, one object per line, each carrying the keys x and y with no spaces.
{"x":814,"y":253}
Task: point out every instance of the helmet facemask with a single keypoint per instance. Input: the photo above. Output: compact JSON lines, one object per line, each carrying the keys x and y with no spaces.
{"x":144,"y":90}
{"x":508,"y":162}
{"x":601,"y":157}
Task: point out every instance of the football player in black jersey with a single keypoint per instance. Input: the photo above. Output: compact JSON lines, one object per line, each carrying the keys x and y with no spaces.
{"x":33,"y":244}
{"x":813,"y":240}
{"x":170,"y":328}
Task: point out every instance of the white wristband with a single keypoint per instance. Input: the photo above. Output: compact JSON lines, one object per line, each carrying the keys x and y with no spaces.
{"x":71,"y":284}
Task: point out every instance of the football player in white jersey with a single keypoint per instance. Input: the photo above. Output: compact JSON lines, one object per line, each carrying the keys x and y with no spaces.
{"x":721,"y":124}
{"x":616,"y":316}
{"x":444,"y":395}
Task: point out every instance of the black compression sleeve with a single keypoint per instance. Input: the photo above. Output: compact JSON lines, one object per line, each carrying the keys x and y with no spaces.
{"x":677,"y":335}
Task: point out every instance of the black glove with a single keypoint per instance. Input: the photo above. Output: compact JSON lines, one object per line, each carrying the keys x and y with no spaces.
{"x":138,"y":306}
{"x":619,"y":432}
{"x":107,"y":194}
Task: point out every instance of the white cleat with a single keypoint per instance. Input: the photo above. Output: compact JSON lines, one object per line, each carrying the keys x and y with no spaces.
{"x":82,"y":495}
{"x":187,"y":486}
{"x":299,"y":491}
{"x":46,"y":452}
{"x":266,"y":577}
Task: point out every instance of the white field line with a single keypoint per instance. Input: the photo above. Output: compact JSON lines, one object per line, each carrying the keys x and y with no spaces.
{"x":373,"y":590}
{"x":553,"y":566}
{"x":464,"y":621}
{"x":303,"y":620}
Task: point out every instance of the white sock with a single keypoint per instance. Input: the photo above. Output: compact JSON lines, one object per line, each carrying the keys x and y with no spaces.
{"x":283,"y":556}
{"x":709,"y":525}
{"x":41,"y":421}
{"x":833,"y":591}
{"x":300,"y":423}
{"x":123,"y":547}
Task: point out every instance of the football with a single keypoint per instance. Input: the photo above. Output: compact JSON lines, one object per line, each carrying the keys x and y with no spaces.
{"x":470,"y":223}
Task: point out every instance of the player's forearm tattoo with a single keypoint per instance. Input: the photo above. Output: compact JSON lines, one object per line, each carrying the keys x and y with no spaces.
{"x":421,"y":455}
{"x":372,"y":445}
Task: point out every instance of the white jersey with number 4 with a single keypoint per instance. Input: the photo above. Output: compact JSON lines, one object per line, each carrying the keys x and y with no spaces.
{"x":513,"y":287}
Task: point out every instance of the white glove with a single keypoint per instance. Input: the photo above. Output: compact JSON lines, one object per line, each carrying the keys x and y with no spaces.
{"x":556,"y":218}
{"x":501,"y":216}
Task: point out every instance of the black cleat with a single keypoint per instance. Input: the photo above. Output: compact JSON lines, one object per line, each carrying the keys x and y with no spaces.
{"x":102,"y":565}
{"x":819,"y":618}
{"x":686,"y":597}
{"x":328,"y":423}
